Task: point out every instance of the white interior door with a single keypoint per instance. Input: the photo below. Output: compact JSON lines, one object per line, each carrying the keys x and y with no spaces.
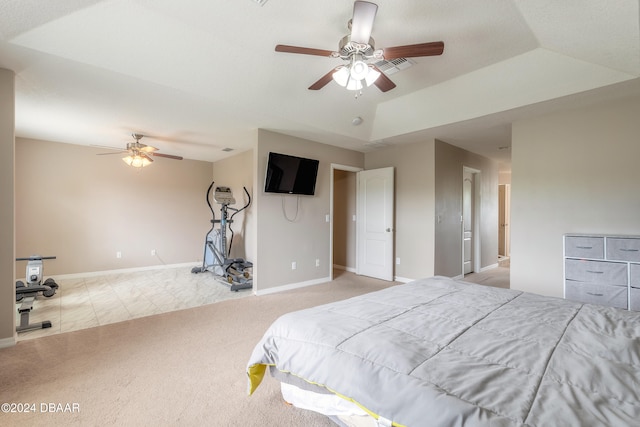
{"x":375,"y":223}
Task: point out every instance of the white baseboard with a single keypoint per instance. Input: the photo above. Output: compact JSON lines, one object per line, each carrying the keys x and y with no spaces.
{"x":353,"y":270}
{"x":489,"y":267}
{"x":345,"y":268}
{"x":124,"y":270}
{"x":7,"y":342}
{"x":291,"y":286}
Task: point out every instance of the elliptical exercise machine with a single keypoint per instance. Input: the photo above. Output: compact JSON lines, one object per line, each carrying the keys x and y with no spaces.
{"x":235,"y":272}
{"x":28,"y":292}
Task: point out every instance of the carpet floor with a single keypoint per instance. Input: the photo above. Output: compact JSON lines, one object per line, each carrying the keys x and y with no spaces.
{"x":185,"y":367}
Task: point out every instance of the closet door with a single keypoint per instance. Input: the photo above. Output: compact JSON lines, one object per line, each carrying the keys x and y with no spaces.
{"x":375,"y":234}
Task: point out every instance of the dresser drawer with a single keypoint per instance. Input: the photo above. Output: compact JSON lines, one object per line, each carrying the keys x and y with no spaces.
{"x":623,"y":249}
{"x":584,"y":247}
{"x":596,"y":272}
{"x":612,"y":296}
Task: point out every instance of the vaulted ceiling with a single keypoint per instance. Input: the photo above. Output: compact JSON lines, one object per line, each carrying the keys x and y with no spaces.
{"x":198,"y":76}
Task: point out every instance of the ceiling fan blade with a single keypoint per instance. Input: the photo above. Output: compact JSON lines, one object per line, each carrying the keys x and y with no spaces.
{"x":169,"y":156}
{"x":106,"y":147}
{"x":303,"y":50}
{"x":364,"y":13}
{"x":147,"y":148}
{"x":113,"y":152}
{"x":146,"y":157}
{"x":414,"y":50}
{"x":324,"y":80}
{"x":383,"y":82}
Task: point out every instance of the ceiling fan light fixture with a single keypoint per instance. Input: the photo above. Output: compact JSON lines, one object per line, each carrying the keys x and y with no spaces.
{"x":137,"y":161}
{"x":359,"y":69}
{"x":372,"y":76}
{"x":341,"y":76}
{"x":354,"y":84}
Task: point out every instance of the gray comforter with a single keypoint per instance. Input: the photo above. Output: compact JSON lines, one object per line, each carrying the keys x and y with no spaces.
{"x":440,"y":352}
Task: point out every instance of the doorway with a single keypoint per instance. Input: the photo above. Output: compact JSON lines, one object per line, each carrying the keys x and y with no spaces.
{"x":504,"y":217}
{"x":361,"y":221}
{"x":343,"y":213}
{"x":470,"y":229}
{"x":343,"y":224}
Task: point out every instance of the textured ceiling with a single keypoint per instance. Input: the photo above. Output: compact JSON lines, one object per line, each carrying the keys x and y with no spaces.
{"x":198,"y":76}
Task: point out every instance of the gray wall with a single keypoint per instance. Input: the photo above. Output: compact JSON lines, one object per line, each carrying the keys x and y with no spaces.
{"x":7,"y":215}
{"x":573,"y":172}
{"x":173,"y":193}
{"x":449,"y":165}
{"x":414,"y":205}
{"x":306,"y":239}
{"x":83,"y":208}
{"x":237,"y":172}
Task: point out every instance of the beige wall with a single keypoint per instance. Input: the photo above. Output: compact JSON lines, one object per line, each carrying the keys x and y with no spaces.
{"x":83,"y":208}
{"x":237,"y":172}
{"x":573,"y":172}
{"x":504,"y":178}
{"x":307,"y":238}
{"x":7,"y":216}
{"x":344,"y":228}
{"x":450,"y":162}
{"x":414,"y":205}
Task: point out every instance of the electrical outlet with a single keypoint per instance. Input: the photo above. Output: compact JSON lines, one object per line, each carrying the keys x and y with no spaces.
{"x":153,"y":252}
{"x":398,"y":261}
{"x":317,"y":262}
{"x":294,"y":265}
{"x":118,"y":254}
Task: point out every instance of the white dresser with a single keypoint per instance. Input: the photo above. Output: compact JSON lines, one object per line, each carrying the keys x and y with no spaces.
{"x":602,"y":269}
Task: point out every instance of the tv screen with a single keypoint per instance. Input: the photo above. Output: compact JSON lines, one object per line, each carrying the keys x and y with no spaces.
{"x":291,"y":175}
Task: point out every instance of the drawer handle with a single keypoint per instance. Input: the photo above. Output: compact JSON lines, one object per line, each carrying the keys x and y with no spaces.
{"x":595,"y":272}
{"x":628,"y":250}
{"x":584,"y":247}
{"x":595,"y":295}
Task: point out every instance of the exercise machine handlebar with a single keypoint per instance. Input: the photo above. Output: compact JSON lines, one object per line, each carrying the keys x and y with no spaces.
{"x":35,"y":258}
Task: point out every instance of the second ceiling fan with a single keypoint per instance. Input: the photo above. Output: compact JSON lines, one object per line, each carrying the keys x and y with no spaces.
{"x":139,"y":154}
{"x":358,"y":48}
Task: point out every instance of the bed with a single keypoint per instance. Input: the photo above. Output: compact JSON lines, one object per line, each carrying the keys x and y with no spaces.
{"x":444,"y":352}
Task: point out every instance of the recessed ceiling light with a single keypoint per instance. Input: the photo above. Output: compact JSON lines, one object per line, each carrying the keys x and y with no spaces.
{"x":356,"y":121}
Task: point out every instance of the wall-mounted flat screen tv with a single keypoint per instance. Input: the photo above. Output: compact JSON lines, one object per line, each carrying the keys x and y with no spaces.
{"x":291,"y":175}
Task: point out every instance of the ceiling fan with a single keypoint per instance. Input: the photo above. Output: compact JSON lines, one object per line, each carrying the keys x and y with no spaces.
{"x":139,"y":154}
{"x":357,"y":48}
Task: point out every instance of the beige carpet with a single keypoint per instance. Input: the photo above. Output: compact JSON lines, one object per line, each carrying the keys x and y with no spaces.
{"x":498,"y":277}
{"x":182,"y":368}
